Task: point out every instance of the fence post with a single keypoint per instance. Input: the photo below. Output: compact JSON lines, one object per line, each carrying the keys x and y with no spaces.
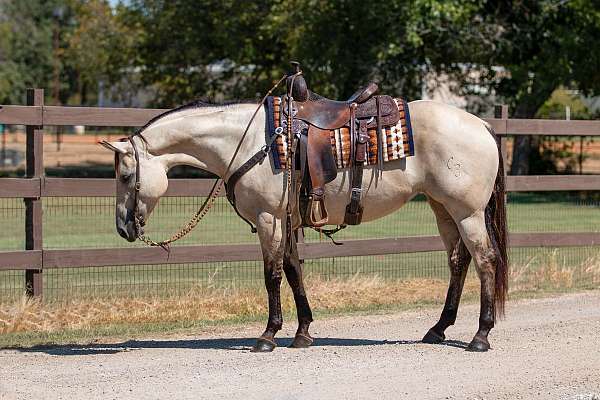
{"x":33,"y":206}
{"x":501,"y":111}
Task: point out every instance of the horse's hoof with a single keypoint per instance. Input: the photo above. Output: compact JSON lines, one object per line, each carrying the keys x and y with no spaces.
{"x":263,"y":346}
{"x":432,"y":337}
{"x":478,"y":344}
{"x":301,"y":341}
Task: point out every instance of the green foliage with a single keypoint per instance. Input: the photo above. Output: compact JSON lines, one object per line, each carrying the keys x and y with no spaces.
{"x":64,"y":46}
{"x":520,"y":50}
{"x":224,"y":49}
{"x":192,"y":49}
{"x":555,"y":106}
{"x":547,"y":44}
{"x":216,"y":50}
{"x":99,"y":47}
{"x":25,"y":46}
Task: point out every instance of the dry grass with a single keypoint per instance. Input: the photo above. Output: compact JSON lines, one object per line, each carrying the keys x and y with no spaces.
{"x":215,"y":304}
{"x":551,"y":272}
{"x":591,"y":270}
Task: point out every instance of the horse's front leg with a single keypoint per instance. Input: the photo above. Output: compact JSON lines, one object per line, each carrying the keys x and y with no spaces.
{"x":293,"y":273}
{"x":270,"y":234}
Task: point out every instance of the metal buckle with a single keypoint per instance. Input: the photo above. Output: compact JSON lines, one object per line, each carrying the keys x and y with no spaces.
{"x":138,"y":186}
{"x":357,"y":120}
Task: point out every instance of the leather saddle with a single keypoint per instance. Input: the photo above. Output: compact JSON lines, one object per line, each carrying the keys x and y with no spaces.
{"x":316,"y":116}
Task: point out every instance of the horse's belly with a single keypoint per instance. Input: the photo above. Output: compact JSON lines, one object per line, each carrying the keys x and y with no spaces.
{"x":381,"y":194}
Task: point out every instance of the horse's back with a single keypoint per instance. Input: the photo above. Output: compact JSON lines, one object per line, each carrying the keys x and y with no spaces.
{"x":439,"y":121}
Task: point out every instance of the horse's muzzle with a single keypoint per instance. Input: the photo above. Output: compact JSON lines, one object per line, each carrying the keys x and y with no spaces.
{"x":126,"y":227}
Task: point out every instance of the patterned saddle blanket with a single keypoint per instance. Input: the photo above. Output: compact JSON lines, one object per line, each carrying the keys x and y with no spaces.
{"x":398,"y":139}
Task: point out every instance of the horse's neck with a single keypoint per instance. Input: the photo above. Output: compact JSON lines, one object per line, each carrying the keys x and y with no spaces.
{"x":206,"y":138}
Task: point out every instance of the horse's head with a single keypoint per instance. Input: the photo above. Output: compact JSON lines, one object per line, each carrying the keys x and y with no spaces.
{"x":148,"y":187}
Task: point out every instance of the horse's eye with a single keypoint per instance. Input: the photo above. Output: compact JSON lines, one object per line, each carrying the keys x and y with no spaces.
{"x":125,"y":178}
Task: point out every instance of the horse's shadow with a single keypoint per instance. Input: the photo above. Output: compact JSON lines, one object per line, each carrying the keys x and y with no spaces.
{"x":211,"y":344}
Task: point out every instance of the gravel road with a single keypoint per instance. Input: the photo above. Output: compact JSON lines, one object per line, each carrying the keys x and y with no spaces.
{"x":545,"y":349}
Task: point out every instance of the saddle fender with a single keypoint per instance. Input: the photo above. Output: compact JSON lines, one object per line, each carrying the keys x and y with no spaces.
{"x":321,"y":162}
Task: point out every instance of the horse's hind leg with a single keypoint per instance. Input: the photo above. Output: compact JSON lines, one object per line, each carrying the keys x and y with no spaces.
{"x":476,"y":238}
{"x":270,"y":234}
{"x":458,"y":261}
{"x":293,"y":273}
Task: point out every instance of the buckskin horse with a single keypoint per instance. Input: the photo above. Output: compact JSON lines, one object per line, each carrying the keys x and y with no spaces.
{"x":457,"y":165}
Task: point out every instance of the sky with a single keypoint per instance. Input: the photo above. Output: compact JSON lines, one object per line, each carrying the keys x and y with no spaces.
{"x":115,"y":2}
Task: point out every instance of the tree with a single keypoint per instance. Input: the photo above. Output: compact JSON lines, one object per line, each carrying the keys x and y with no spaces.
{"x":65,"y":46}
{"x":237,"y":49}
{"x":98,"y":48}
{"x":540,"y":46}
{"x":521,"y":51}
{"x":26,"y":54}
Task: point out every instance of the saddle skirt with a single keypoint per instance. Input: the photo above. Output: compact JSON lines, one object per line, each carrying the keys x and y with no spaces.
{"x":397,"y":139}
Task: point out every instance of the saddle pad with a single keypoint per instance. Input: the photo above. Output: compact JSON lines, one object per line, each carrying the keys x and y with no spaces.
{"x":398,"y":138}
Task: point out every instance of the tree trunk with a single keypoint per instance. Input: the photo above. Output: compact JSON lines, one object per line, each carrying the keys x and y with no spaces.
{"x":84,"y":94}
{"x":524,"y":146}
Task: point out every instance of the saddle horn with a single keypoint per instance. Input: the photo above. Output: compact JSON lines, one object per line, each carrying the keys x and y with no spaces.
{"x":296,"y":84}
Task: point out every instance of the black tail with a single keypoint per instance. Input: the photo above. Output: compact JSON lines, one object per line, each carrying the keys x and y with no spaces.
{"x":495,"y":222}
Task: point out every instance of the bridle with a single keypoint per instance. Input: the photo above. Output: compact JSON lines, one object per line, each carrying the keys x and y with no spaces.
{"x":139,"y":221}
{"x":212,"y":196}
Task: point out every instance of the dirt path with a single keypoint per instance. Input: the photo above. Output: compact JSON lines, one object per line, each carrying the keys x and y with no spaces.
{"x":545,"y":349}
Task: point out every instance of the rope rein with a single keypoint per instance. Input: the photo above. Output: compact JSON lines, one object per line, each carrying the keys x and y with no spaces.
{"x":212,"y":196}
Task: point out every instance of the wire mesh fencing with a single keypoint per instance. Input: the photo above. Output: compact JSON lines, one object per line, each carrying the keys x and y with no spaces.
{"x":88,"y":222}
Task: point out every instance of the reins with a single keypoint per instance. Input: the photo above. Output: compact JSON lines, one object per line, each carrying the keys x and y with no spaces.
{"x":212,"y":196}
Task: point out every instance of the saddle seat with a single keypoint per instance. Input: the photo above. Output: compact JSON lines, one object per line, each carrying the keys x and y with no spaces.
{"x":325,"y":113}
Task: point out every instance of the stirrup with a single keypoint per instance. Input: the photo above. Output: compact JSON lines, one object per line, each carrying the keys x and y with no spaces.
{"x":316,"y":206}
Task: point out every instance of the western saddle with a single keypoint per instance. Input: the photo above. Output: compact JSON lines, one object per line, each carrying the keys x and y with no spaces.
{"x":312,"y":119}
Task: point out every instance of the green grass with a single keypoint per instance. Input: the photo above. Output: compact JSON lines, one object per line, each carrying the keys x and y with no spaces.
{"x":89,"y":223}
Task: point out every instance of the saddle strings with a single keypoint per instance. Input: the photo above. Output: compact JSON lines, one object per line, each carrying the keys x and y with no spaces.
{"x":214,"y":192}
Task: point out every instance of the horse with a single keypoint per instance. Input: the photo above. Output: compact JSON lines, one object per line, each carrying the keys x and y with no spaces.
{"x":457,"y":165}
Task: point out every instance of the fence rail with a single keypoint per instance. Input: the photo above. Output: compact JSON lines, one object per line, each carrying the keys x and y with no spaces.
{"x":93,"y":116}
{"x":34,"y":259}
{"x":98,"y":187}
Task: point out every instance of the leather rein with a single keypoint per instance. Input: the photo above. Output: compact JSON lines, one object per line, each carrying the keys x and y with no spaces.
{"x":214,"y":192}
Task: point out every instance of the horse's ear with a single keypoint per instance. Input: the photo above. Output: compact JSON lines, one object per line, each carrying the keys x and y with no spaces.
{"x":117,"y":147}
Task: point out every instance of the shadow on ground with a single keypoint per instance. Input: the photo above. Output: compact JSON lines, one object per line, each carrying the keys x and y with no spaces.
{"x":210,"y":344}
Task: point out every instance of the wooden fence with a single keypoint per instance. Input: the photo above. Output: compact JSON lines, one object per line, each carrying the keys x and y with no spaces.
{"x":35,"y":259}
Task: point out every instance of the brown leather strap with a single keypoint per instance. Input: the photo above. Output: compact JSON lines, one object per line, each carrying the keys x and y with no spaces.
{"x":362,"y":141}
{"x":138,"y":185}
{"x":354,"y":209}
{"x":358,"y":154}
{"x":241,"y":171}
{"x":352,"y":137}
{"x":379,"y":137}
